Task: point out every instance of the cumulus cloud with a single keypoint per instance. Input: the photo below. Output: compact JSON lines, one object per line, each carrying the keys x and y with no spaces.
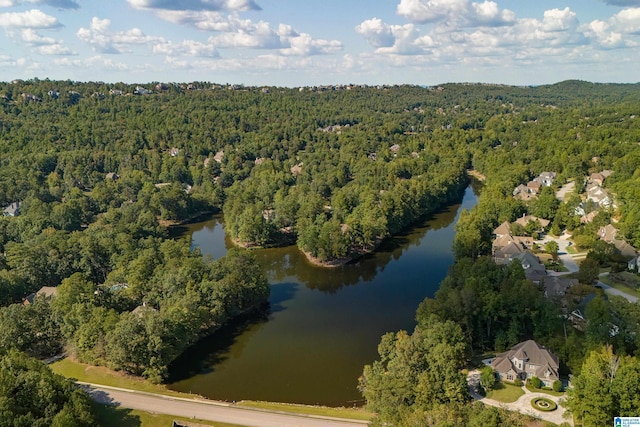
{"x":185,"y":48}
{"x":235,"y":32}
{"x":210,"y":5}
{"x":559,"y":20}
{"x":601,"y":32}
{"x":33,"y":18}
{"x":244,"y":33}
{"x":97,"y":61}
{"x":61,"y":4}
{"x":460,"y":31}
{"x":458,"y":12}
{"x":304,"y":45}
{"x":376,"y":32}
{"x":99,"y":36}
{"x":55,"y":49}
{"x":627,"y":21}
{"x":402,"y":39}
{"x":30,"y":36}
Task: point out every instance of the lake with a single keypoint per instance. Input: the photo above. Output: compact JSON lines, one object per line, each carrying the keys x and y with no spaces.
{"x":322,"y":325}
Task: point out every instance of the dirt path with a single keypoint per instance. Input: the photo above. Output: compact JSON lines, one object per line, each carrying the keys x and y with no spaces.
{"x":210,"y":410}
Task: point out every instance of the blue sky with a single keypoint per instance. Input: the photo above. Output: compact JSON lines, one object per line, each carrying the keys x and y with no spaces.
{"x":313,"y":42}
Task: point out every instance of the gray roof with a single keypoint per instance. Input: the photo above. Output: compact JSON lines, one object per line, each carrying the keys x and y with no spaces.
{"x":13,"y":209}
{"x":534,"y":354}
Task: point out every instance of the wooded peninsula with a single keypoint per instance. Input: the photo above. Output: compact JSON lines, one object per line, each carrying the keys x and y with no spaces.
{"x":92,"y":176}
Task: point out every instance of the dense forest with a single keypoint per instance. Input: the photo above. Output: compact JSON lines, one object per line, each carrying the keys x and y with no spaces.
{"x":573,"y":129}
{"x":93,"y":174}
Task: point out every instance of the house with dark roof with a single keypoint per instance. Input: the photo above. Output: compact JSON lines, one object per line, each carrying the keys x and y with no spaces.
{"x":557,"y":286}
{"x":534,"y":270}
{"x":525,"y":360}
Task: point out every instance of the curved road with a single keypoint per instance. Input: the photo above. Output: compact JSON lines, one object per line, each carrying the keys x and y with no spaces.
{"x":570,"y":263}
{"x":209,"y":410}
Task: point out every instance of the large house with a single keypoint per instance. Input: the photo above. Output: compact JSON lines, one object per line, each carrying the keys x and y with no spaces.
{"x":608,"y":233}
{"x":525,"y":360}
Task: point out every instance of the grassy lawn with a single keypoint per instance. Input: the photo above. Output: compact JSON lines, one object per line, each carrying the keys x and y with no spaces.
{"x":109,"y":416}
{"x":505,"y":393}
{"x":549,"y":392}
{"x":351,"y":413}
{"x":101,"y":375}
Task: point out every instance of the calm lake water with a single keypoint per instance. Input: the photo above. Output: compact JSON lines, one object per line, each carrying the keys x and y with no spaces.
{"x":323,"y":325}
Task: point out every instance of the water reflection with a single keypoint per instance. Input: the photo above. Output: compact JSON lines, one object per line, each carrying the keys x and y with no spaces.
{"x":323,"y":325}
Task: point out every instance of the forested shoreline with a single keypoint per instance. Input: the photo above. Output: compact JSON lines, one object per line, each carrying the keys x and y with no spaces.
{"x":89,"y":172}
{"x":573,"y":129}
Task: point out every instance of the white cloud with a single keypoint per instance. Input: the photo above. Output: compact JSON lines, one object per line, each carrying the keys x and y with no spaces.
{"x":304,"y":45}
{"x":185,"y":48}
{"x":559,"y":20}
{"x":55,"y":49}
{"x":244,"y":33}
{"x":455,"y":12}
{"x":460,"y":30}
{"x":386,"y":38}
{"x":103,"y":40}
{"x":488,"y":13}
{"x":97,"y":61}
{"x":627,"y":21}
{"x":44,"y":45}
{"x":376,"y":32}
{"x":30,"y":36}
{"x":424,"y":11}
{"x":33,"y":18}
{"x":200,"y":5}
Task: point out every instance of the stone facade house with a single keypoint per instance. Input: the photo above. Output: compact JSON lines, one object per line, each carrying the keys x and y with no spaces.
{"x":525,"y":360}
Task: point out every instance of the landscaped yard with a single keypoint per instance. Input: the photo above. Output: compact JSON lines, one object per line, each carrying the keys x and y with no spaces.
{"x":505,"y":392}
{"x":541,"y":390}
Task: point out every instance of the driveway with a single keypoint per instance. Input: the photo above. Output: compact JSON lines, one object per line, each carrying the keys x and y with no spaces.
{"x":210,"y":410}
{"x":569,"y":187}
{"x":567,"y":259}
{"x":570,"y":262}
{"x":523,"y":404}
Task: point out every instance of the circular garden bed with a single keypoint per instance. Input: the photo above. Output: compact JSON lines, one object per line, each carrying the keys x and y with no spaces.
{"x":544,"y":404}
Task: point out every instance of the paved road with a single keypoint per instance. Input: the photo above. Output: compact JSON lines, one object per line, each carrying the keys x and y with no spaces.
{"x":613,"y":291}
{"x":209,"y":410}
{"x":569,"y":261}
